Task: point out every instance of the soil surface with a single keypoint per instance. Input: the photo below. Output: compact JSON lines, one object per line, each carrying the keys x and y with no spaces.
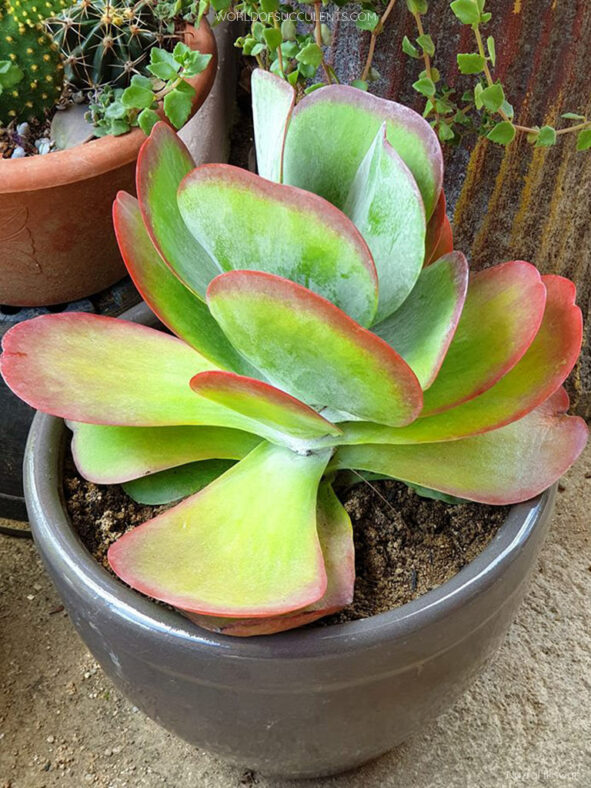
{"x":524,"y":723}
{"x":405,"y":544}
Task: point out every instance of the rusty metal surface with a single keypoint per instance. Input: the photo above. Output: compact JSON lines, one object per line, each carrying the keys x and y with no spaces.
{"x":518,"y":203}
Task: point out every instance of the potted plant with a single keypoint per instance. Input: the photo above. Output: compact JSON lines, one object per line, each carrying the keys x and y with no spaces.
{"x":56,"y":239}
{"x":323,"y":326}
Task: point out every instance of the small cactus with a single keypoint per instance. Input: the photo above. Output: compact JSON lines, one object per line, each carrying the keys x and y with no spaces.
{"x":33,"y":50}
{"x":106,"y":42}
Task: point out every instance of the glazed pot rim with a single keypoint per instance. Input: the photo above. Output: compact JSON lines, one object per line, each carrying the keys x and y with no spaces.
{"x":99,"y":156}
{"x":55,"y":535}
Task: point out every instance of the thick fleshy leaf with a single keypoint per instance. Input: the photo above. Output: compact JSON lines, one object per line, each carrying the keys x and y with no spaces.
{"x":174,"y":304}
{"x":175,"y":483}
{"x":111,"y":455}
{"x":290,"y":421}
{"x":162,"y":163}
{"x":423,"y":327}
{"x":386,"y":206}
{"x":336,"y":540}
{"x":273,"y":99}
{"x":544,"y":367}
{"x":331,"y":130}
{"x":501,"y":316}
{"x":312,"y":349}
{"x":246,"y":545}
{"x":505,"y":466}
{"x":246,"y":222}
{"x":107,"y":371}
{"x":439,"y":240}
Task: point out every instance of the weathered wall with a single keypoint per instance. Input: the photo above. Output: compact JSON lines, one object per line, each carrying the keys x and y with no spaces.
{"x":519,"y":203}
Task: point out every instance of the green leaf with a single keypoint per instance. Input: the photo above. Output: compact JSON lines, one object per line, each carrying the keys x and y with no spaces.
{"x":273,"y":38}
{"x":164,"y":71}
{"x":257,"y":49}
{"x":269,"y":6}
{"x":173,"y":304}
{"x":492,"y":97}
{"x":492,"y":51}
{"x":195,"y":63}
{"x":417,"y":6}
{"x":312,"y":88}
{"x":409,"y":49}
{"x":426,"y":43}
{"x":469,"y":63}
{"x":359,"y":83}
{"x":272,"y":103}
{"x":147,"y":119}
{"x":485,"y":18}
{"x":467,"y":11}
{"x":315,"y":351}
{"x":546,"y":137}
{"x":445,"y":131}
{"x":367,"y":20}
{"x":178,"y":104}
{"x":503,"y":133}
{"x":175,"y":483}
{"x":422,"y":328}
{"x":507,"y":109}
{"x":425,"y":86}
{"x":572,"y":116}
{"x":106,"y":454}
{"x":138,"y":97}
{"x":261,"y":512}
{"x":310,"y":55}
{"x":387,"y":209}
{"x":288,"y":30}
{"x":584,"y":139}
{"x":435,"y":495}
{"x":306,"y":240}
{"x":504,"y":466}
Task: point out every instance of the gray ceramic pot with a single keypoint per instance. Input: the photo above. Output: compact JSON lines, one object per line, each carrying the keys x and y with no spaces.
{"x":303,"y":703}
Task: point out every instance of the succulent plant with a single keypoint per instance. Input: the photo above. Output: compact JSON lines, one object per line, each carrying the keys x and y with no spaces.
{"x":323,"y":323}
{"x":105,"y":42}
{"x":39,"y":80}
{"x":34,"y":11}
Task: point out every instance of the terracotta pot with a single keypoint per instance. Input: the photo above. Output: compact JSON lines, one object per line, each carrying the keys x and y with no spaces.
{"x":56,"y":234}
{"x":309,"y":702}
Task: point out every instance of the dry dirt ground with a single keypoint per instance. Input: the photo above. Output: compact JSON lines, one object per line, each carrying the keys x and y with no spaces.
{"x":525,"y":722}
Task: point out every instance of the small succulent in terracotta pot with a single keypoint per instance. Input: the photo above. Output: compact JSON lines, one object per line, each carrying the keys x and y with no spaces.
{"x":323,"y":323}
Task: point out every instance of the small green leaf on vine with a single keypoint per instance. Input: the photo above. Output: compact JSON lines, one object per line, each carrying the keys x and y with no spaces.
{"x":503,"y":133}
{"x":493,"y":97}
{"x":546,"y":137}
{"x":425,"y":86}
{"x":409,"y":49}
{"x":470,"y":63}
{"x":467,"y":11}
{"x":584,"y":139}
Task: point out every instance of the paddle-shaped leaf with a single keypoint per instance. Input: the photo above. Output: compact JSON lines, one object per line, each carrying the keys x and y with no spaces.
{"x":111,"y":455}
{"x":289,"y":421}
{"x":312,"y":349}
{"x":272,"y":102}
{"x":172,"y":303}
{"x":423,"y":327}
{"x":331,"y":130}
{"x":246,"y":545}
{"x":336,"y":540}
{"x":246,"y":222}
{"x":386,"y":206}
{"x":501,"y":316}
{"x":175,"y":483}
{"x":162,"y":163}
{"x":544,"y":367}
{"x":106,"y":371}
{"x":508,"y":465}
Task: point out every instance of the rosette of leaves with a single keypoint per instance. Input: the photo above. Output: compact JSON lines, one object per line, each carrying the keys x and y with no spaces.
{"x":116,"y":110}
{"x":321,"y":323}
{"x":106,"y":42}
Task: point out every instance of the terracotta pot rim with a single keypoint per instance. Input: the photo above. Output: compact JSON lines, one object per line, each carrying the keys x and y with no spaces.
{"x":52,"y":530}
{"x":101,"y":155}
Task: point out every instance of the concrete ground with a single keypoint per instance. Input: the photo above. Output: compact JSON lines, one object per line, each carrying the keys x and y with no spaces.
{"x":525,"y":722}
